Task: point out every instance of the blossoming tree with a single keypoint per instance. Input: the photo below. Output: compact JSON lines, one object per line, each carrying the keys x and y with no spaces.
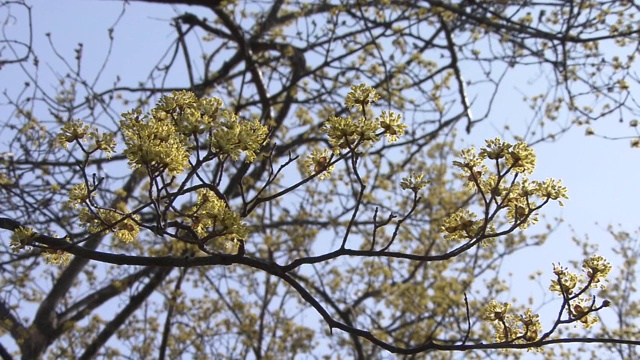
{"x":303,"y":193}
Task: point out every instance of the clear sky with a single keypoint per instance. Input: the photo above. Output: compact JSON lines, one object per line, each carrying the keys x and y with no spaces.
{"x":601,"y":175}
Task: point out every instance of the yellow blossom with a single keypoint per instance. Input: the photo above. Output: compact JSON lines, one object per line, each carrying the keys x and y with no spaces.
{"x":581,"y":310}
{"x":21,"y":237}
{"x":521,"y":158}
{"x":565,"y":281}
{"x":104,"y":142}
{"x":531,"y":326}
{"x":56,"y":257}
{"x":597,"y":269}
{"x":415,"y":182}
{"x":520,"y":211}
{"x":470,"y":160}
{"x":509,"y":327}
{"x":71,"y":131}
{"x":4,"y":179}
{"x":361,"y":96}
{"x":192,"y":116}
{"x":78,"y":195}
{"x":212,"y":218}
{"x":233,"y":136}
{"x":154,"y":144}
{"x":392,"y":125}
{"x":344,"y":133}
{"x":495,"y":149}
{"x":551,"y":189}
{"x":495,"y":311}
{"x":461,"y":225}
{"x":123,"y":225}
{"x":318,"y":163}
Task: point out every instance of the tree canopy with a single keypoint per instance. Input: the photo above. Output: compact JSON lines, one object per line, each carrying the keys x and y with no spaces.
{"x":287,"y":182}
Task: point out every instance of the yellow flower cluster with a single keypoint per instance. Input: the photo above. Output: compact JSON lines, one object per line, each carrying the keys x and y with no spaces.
{"x":72,"y":131}
{"x":21,"y":238}
{"x":517,"y":194}
{"x":597,"y":268}
{"x":392,"y":125}
{"x":56,"y":257}
{"x":232,"y":137}
{"x":77,"y":131}
{"x":347,"y":133}
{"x":361,"y":96}
{"x":164,"y":139}
{"x":318,"y":163}
{"x":192,"y":116}
{"x":121,"y":223}
{"x":78,"y":195}
{"x":566,"y":281}
{"x":212,"y":219}
{"x":525,"y":328}
{"x":572,"y":287}
{"x":415,"y":182}
{"x":154,"y":143}
{"x":461,"y":225}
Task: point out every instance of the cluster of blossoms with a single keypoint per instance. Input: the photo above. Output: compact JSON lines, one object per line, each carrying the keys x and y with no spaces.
{"x":462,"y":224}
{"x":505,"y":187}
{"x":572,"y":286}
{"x":317,"y":162}
{"x":227,"y":134}
{"x":154,"y":143}
{"x":78,"y":132}
{"x":78,"y":195}
{"x":569,"y":285}
{"x":56,"y":257}
{"x":213,"y":221}
{"x":524,"y":328}
{"x":163,"y":140}
{"x":124,"y":226}
{"x":347,"y":133}
{"x":415,"y":182}
{"x":22,"y":238}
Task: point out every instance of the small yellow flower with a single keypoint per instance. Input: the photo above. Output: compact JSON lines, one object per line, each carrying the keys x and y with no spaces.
{"x":318,"y":163}
{"x":104,"y":142}
{"x":211,"y":218}
{"x":123,"y":226}
{"x":597,"y":269}
{"x":392,"y":125}
{"x":470,"y":160}
{"x":56,"y":257}
{"x":531,"y":326}
{"x":5,"y":180}
{"x":495,"y":311}
{"x":461,"y":225}
{"x":415,"y":182}
{"x":565,"y":282}
{"x":153,"y":143}
{"x":495,"y":149}
{"x":344,"y":133}
{"x":581,"y":311}
{"x":21,"y":237}
{"x":233,"y":136}
{"x":521,"y":158}
{"x":361,"y":96}
{"x":551,"y":189}
{"x":78,"y":195}
{"x":72,"y":131}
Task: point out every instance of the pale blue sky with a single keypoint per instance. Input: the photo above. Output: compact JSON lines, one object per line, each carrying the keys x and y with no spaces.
{"x":601,"y":175}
